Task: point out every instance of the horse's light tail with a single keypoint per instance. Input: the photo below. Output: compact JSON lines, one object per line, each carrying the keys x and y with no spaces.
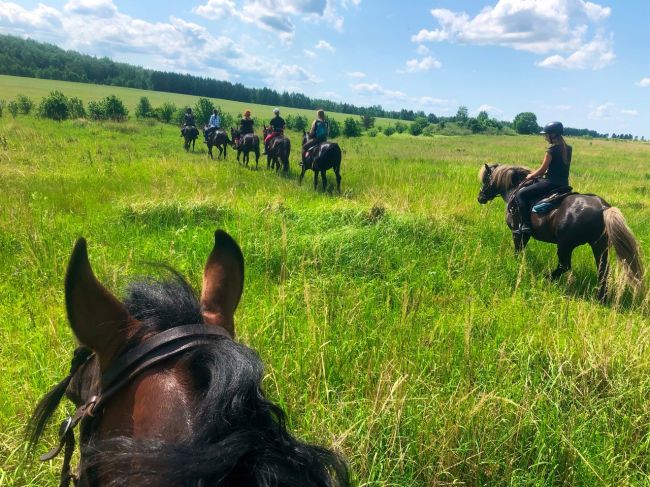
{"x":627,"y":249}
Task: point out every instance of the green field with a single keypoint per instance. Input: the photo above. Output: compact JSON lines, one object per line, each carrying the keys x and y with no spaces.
{"x":11,"y":86}
{"x":394,"y":321}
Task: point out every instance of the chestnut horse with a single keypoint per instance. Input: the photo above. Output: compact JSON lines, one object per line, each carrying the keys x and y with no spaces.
{"x":166,"y":396}
{"x":579,"y":219}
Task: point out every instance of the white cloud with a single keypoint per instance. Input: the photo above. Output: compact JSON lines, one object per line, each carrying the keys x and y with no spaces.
{"x":644,"y":83}
{"x":422,"y":50}
{"x":376,"y":89}
{"x":325,"y":46}
{"x":356,"y":74}
{"x":424,"y":64}
{"x":398,"y":99}
{"x":274,"y":15}
{"x":491,"y":110}
{"x":97,"y":27}
{"x":309,"y":53}
{"x":560,"y":28}
{"x":609,"y":110}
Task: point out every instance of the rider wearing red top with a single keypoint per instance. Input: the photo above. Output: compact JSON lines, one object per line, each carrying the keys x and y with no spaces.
{"x":277,"y":128}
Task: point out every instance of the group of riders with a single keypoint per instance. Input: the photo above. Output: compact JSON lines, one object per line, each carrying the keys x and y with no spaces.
{"x":317,"y":133}
{"x":552,"y":174}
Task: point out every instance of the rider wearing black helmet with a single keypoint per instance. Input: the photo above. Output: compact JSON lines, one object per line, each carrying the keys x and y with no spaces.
{"x":552,"y":174}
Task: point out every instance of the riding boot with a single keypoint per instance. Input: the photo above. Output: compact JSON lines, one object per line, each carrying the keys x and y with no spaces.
{"x":525,"y":227}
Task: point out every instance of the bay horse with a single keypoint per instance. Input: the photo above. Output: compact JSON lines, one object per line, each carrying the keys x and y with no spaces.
{"x":246,"y":143}
{"x":579,"y":219}
{"x":219,"y":139}
{"x":278,"y":152}
{"x":190,"y":134}
{"x":165,"y":395}
{"x":319,"y":159}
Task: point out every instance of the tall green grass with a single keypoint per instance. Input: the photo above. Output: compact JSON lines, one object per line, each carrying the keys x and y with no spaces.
{"x":394,"y":321}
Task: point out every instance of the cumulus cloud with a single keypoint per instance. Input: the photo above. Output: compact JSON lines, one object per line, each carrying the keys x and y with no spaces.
{"x":611,"y":110}
{"x":398,"y":99}
{"x":561,"y":29}
{"x":356,"y":74}
{"x":377,"y":89}
{"x":325,"y":46}
{"x":97,"y":27}
{"x":644,"y":83}
{"x":491,"y":110}
{"x":425,"y":64}
{"x":274,"y":15}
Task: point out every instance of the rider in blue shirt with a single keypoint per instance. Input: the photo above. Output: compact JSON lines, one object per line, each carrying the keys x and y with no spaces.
{"x":213,"y":124}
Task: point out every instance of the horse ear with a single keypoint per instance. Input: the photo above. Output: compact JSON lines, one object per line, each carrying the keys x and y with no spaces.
{"x":99,"y":320}
{"x":223,"y":282}
{"x":487,"y":168}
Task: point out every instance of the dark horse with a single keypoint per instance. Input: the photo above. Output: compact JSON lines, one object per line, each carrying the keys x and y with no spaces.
{"x":166,"y":396}
{"x":219,"y":139}
{"x":278,"y":152}
{"x":246,"y":143}
{"x":320,"y":158}
{"x":190,"y":133}
{"x":579,"y":219}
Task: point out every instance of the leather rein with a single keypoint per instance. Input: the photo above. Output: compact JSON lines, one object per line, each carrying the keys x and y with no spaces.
{"x":123,"y":370}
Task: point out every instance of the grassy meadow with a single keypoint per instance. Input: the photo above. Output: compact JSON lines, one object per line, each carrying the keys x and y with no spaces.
{"x":394,"y":321}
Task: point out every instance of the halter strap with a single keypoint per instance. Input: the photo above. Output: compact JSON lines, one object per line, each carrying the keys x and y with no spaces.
{"x":124,"y":369}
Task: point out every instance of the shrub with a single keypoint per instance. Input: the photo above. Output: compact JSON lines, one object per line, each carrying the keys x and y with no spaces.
{"x":525,"y":123}
{"x":390,"y":130}
{"x":335,"y":128}
{"x":400,"y":127}
{"x":12,"y":106}
{"x":418,"y":125}
{"x":429,"y":130}
{"x":351,"y":127}
{"x":96,"y":110}
{"x":25,"y":104}
{"x":227,"y":120}
{"x":76,"y":108}
{"x":114,"y":109}
{"x":144,"y":109}
{"x":202,"y":111}
{"x":55,"y":106}
{"x":367,"y":121}
{"x":165,"y":112}
{"x":300,"y":123}
{"x":179,"y":116}
{"x":373,"y":132}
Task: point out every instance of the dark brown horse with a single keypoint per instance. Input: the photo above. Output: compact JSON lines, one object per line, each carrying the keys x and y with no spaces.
{"x":246,"y":143}
{"x":278,"y":151}
{"x":320,"y":158}
{"x":220,"y":140}
{"x":190,"y":134}
{"x":165,"y":395}
{"x":579,"y":219}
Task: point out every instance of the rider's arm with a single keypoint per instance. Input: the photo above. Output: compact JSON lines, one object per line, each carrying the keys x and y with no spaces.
{"x":542,"y":169}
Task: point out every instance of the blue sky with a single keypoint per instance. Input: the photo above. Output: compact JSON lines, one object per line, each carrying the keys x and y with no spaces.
{"x":577,"y":61}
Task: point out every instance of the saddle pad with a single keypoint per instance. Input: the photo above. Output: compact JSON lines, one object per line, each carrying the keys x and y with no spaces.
{"x":547,"y":204}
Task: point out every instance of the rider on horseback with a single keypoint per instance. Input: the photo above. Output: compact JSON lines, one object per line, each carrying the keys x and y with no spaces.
{"x":277,"y":128}
{"x":552,"y":174}
{"x":318,"y":132}
{"x":188,"y":120}
{"x":246,"y":125}
{"x":213,"y":125}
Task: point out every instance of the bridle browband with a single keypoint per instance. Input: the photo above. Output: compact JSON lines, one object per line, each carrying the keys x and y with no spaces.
{"x":123,"y":370}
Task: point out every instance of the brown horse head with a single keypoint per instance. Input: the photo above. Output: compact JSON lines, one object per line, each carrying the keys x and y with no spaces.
{"x":189,"y":412}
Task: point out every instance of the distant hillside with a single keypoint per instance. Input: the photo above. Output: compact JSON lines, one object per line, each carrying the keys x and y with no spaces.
{"x":24,"y":57}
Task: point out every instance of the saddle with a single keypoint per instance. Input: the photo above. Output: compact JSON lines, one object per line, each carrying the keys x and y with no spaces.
{"x":553,"y":200}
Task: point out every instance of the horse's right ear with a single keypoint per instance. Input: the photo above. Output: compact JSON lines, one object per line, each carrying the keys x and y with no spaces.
{"x":99,"y":320}
{"x":487,"y":168}
{"x":223,"y":282}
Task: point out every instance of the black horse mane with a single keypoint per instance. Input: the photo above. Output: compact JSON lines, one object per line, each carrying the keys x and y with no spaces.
{"x":239,"y":437}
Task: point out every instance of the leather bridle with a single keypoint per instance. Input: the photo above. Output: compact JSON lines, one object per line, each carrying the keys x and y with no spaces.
{"x":122,"y":371}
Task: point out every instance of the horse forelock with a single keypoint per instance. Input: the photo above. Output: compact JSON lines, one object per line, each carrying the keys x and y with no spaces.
{"x":502,"y":175}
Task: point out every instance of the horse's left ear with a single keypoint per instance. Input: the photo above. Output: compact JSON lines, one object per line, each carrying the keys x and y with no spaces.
{"x":487,"y":168}
{"x":99,"y":320}
{"x":223,"y":282}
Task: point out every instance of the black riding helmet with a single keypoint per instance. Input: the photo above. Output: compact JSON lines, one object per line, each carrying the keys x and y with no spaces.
{"x":553,"y":128}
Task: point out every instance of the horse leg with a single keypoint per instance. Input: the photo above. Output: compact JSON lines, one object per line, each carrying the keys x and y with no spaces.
{"x":302,"y":175}
{"x":564,"y":252}
{"x":315,"y":180}
{"x":210,"y":151}
{"x":520,"y":241}
{"x":337,"y":172}
{"x":601,"y":254}
{"x":269,"y":161}
{"x":324,"y":178}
